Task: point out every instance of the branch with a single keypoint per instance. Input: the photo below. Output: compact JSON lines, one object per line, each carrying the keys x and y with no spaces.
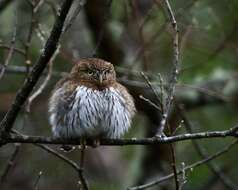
{"x":187,"y":168}
{"x":217,"y":172}
{"x":173,"y":163}
{"x":36,"y":184}
{"x":11,"y":49}
{"x":50,"y":47}
{"x":7,"y":138}
{"x":79,"y":6}
{"x":175,"y":72}
{"x":17,"y":50}
{"x":45,"y":82}
{"x":10,"y":163}
{"x":69,"y":162}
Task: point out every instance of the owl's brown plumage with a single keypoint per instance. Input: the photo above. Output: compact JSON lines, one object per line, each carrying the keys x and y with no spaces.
{"x":89,"y":102}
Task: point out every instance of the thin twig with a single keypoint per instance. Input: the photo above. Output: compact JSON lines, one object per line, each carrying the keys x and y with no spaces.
{"x":10,"y":163}
{"x":153,"y":89}
{"x":175,"y":72}
{"x":50,"y":47}
{"x":11,"y":50}
{"x":73,"y":164}
{"x":161,"y":86}
{"x":30,"y":34}
{"x":45,"y":82}
{"x":70,"y":162}
{"x":36,"y":184}
{"x":224,"y":179}
{"x":163,"y":27}
{"x":173,"y":163}
{"x":187,"y":168}
{"x":17,"y":50}
{"x":41,"y":34}
{"x":80,"y":5}
{"x":38,"y":5}
{"x":150,"y":102}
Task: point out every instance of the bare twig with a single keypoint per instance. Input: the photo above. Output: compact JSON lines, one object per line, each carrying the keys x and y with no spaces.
{"x":41,"y":34}
{"x":150,"y":102}
{"x":70,"y":162}
{"x":50,"y":47}
{"x":163,"y":27}
{"x":38,"y":5}
{"x":73,"y":164}
{"x":173,"y":163}
{"x":36,"y":184}
{"x":17,"y":50}
{"x":187,"y":168}
{"x":10,"y":163}
{"x":11,"y":50}
{"x":224,"y":179}
{"x":154,"y":91}
{"x":175,"y":73}
{"x":30,"y":34}
{"x":80,"y":5}
{"x":233,"y":132}
{"x":45,"y":82}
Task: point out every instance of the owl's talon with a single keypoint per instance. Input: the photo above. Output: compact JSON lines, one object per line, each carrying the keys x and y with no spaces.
{"x":83,"y":144}
{"x":160,"y":135}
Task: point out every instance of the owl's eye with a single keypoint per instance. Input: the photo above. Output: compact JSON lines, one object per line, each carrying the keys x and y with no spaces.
{"x":90,"y":73}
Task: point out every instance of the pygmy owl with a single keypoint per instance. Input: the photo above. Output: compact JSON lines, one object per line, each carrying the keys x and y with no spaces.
{"x":90,"y":103}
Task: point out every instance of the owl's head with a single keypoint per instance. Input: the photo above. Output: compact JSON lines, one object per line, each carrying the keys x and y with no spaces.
{"x":94,"y":71}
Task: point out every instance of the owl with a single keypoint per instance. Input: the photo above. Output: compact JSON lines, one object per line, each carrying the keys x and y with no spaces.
{"x":90,"y":103}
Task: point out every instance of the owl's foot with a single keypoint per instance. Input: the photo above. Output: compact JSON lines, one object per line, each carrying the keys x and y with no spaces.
{"x":67,"y":148}
{"x":160,"y":135}
{"x":83,"y":144}
{"x":96,"y":143}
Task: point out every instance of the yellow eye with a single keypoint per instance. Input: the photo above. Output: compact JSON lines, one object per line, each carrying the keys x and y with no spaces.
{"x":90,"y":73}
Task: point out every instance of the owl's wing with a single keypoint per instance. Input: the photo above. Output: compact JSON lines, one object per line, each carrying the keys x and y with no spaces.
{"x":62,"y":95}
{"x":129,"y":101}
{"x":60,"y":105}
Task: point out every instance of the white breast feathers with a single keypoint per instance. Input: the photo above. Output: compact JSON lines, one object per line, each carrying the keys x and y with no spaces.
{"x":89,"y":113}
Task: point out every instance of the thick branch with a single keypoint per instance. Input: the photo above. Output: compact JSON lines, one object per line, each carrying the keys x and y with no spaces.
{"x":50,"y":47}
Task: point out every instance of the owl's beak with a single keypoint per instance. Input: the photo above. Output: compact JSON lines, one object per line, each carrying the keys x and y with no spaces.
{"x":100,"y":78}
